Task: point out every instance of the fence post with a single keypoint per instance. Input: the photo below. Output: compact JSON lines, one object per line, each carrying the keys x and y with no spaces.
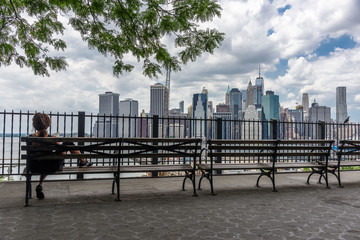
{"x":321,"y":130}
{"x":218,"y":136}
{"x":273,"y":129}
{"x":155,"y":134}
{"x":81,"y":133}
{"x":321,"y":134}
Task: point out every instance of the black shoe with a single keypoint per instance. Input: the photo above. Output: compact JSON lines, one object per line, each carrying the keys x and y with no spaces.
{"x":39,"y":192}
{"x":85,"y":164}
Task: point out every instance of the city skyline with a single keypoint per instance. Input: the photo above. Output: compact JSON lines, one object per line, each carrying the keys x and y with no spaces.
{"x":302,"y":48}
{"x":270,"y":107}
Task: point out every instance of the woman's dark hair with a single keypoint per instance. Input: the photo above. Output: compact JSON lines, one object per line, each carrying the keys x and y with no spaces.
{"x":41,"y":122}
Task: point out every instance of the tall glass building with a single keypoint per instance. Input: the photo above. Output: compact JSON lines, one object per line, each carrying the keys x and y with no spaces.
{"x":259,"y":90}
{"x":159,"y":100}
{"x":109,"y":103}
{"x":270,"y":105}
{"x":199,"y":112}
{"x":127,"y":126}
{"x":235,"y":98}
{"x":305,"y":104}
{"x":341,"y":107}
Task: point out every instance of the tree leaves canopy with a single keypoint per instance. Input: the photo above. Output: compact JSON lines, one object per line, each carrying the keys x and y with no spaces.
{"x":30,"y":30}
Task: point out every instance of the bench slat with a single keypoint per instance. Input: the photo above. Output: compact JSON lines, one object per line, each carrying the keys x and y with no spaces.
{"x":297,"y":165}
{"x":224,"y":166}
{"x":156,"y":168}
{"x":87,"y":170}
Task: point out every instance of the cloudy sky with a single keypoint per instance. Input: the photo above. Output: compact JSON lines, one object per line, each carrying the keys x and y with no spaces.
{"x":303,"y":46}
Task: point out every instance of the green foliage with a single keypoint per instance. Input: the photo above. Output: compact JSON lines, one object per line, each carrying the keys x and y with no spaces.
{"x":29,"y":31}
{"x":351,"y":168}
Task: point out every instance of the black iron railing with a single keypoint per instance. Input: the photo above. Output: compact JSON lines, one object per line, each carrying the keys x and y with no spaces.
{"x":14,"y":125}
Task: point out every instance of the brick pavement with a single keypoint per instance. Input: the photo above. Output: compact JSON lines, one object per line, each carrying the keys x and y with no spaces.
{"x":157,"y":209}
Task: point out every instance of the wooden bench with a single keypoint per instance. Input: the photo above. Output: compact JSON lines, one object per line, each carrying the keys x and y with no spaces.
{"x":114,"y":156}
{"x":268,"y":156}
{"x":239,"y":155}
{"x":348,"y":155}
{"x":313,"y":154}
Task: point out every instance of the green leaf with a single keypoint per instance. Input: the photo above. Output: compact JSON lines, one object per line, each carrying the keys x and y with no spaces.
{"x":29,"y":32}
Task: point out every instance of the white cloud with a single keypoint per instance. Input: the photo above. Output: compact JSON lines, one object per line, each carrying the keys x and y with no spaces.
{"x":297,"y":33}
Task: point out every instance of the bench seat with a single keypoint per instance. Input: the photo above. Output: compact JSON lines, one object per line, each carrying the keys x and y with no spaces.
{"x":156,"y":168}
{"x":347,"y":163}
{"x":280,"y":165}
{"x":83,"y":170}
{"x":240,"y":166}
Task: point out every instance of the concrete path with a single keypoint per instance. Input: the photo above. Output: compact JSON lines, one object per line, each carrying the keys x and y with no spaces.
{"x":157,"y":209}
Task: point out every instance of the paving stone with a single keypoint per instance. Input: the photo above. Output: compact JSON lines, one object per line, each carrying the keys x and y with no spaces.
{"x":155,"y":209}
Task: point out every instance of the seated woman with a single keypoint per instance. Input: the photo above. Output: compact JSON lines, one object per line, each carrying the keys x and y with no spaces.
{"x":40,"y":123}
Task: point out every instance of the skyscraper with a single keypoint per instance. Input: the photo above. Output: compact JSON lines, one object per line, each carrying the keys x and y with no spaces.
{"x":305,"y":104}
{"x":319,"y":113}
{"x":235,"y":103}
{"x":251,"y":129}
{"x":181,"y":106}
{"x":271,"y":105}
{"x":271,"y":108}
{"x":257,"y":96}
{"x":341,"y":107}
{"x":109,"y":103}
{"x":159,"y":100}
{"x":227,"y":95}
{"x":259,"y":89}
{"x":129,"y":107}
{"x":249,"y":95}
{"x":127,"y":126}
{"x":199,"y":111}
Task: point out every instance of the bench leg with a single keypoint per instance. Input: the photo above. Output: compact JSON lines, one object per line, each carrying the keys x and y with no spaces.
{"x":208,"y":176}
{"x":194,"y":184}
{"x":211,"y":177}
{"x":190,"y":176}
{"x":113,"y":185}
{"x":338,"y":176}
{"x":326,"y":178}
{"x":273,"y":181}
{"x":28,"y":190}
{"x":203,"y":174}
{"x":117,"y":182}
{"x":308,"y":179}
{"x":320,"y":171}
{"x":268,"y":174}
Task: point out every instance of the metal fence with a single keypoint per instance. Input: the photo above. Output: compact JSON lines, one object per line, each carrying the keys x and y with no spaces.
{"x":14,"y":125}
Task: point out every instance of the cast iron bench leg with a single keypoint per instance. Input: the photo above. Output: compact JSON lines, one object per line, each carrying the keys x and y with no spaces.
{"x":28,"y":190}
{"x":194,"y":185}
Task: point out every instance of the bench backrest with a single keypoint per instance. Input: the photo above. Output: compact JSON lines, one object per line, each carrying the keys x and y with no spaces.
{"x":104,"y":151}
{"x":160,"y":150}
{"x":349,"y":149}
{"x":268,"y":150}
{"x":237,"y":151}
{"x":98,"y":150}
{"x":303,"y":150}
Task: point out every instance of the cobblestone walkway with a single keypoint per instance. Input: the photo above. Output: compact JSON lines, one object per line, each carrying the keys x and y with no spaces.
{"x":156,"y":209}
